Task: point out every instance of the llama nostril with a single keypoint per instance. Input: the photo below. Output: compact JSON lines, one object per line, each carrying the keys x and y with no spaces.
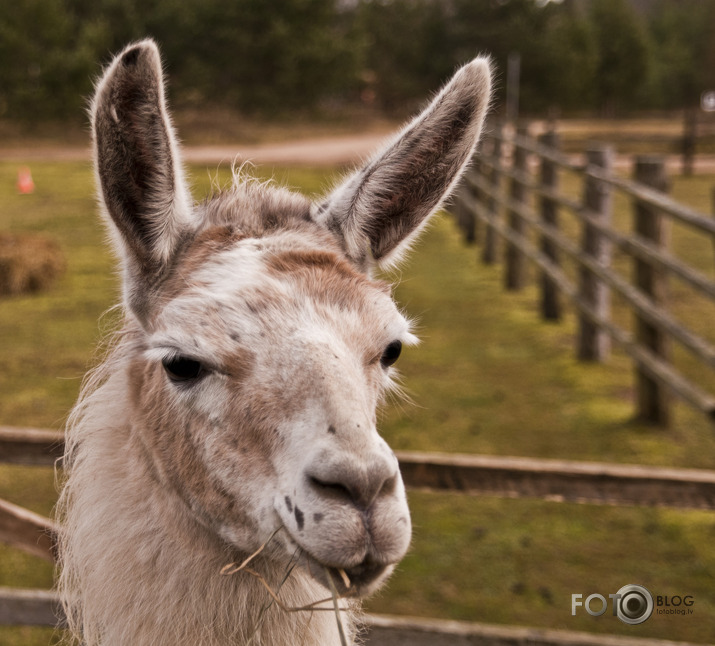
{"x":349,"y":483}
{"x":331,"y":489}
{"x":388,"y":487}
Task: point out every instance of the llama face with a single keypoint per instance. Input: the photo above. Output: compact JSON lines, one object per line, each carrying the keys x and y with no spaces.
{"x":265,"y":346}
{"x":277,"y":427}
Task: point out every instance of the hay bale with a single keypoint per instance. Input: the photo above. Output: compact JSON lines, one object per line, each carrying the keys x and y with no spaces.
{"x":28,"y":263}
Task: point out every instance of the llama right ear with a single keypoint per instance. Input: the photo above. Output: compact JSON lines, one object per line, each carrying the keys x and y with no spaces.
{"x":379,"y":210}
{"x":138,"y":168}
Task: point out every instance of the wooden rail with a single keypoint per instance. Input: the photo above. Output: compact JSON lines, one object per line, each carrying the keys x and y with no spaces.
{"x":28,"y":607}
{"x":513,"y":193}
{"x":511,"y":477}
{"x":559,"y":480}
{"x":42,"y":608}
{"x":30,"y":446}
{"x":28,"y":531}
{"x":383,"y":630}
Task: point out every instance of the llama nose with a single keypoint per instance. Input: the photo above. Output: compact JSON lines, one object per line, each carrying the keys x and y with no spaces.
{"x":357,"y":482}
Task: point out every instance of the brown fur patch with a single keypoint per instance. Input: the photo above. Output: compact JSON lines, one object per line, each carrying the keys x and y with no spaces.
{"x":325,"y":275}
{"x":175,"y":448}
{"x":205,"y":246}
{"x":239,"y":364}
{"x":295,"y":261}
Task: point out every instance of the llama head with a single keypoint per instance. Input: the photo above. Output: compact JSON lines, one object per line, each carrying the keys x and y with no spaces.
{"x":263,"y":344}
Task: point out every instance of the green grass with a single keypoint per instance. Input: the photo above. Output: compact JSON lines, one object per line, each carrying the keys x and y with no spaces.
{"x":519,"y":561}
{"x":489,"y":377}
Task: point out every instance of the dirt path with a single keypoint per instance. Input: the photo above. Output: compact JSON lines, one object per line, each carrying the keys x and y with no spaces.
{"x":328,"y":151}
{"x":309,"y":152}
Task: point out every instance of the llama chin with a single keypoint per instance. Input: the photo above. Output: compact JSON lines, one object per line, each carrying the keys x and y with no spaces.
{"x":234,"y":420}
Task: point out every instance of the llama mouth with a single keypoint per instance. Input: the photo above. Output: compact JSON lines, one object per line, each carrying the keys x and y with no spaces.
{"x":357,"y":581}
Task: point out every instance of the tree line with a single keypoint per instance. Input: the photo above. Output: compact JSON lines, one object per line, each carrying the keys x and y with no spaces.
{"x":274,"y":58}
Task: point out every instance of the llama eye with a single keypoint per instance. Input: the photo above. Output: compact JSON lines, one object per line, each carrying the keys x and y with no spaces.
{"x":182,"y":369}
{"x":391,"y":354}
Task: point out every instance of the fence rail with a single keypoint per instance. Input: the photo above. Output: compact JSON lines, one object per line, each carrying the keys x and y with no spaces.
{"x":559,"y":480}
{"x":26,"y":607}
{"x":28,"y":531}
{"x":510,"y":477}
{"x":513,"y":194}
{"x":30,"y":607}
{"x":30,"y":446}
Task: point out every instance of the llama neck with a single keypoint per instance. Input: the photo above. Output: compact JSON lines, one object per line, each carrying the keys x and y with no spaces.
{"x":138,"y":569}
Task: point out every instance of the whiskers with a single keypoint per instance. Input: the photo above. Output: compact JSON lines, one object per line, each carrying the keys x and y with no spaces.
{"x":396,"y":396}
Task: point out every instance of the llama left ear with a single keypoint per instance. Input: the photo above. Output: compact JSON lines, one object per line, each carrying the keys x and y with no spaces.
{"x":139,"y":170}
{"x":377,"y":211}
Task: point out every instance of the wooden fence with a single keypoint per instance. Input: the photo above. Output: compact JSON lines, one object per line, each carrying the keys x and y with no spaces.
{"x":513,"y":196}
{"x":556,"y":480}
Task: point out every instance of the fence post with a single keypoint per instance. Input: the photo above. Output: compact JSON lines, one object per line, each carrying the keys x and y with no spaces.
{"x":689,"y":140}
{"x":653,"y":403}
{"x":515,"y":276}
{"x":489,"y":251}
{"x":462,"y":211}
{"x":474,"y":196}
{"x":712,"y":203}
{"x":550,"y":303}
{"x":594,"y":344}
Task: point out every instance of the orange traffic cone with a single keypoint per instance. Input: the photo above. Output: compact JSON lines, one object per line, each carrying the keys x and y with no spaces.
{"x":25,"y":184}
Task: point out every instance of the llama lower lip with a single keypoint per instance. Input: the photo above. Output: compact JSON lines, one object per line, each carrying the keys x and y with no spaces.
{"x":354,"y":581}
{"x":361,"y":577}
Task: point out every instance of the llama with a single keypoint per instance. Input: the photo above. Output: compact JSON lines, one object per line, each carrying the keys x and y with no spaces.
{"x":236,"y":410}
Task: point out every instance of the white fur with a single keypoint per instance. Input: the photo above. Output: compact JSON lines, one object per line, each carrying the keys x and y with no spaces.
{"x":146,"y":572}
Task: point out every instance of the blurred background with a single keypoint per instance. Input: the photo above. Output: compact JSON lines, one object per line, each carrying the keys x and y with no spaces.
{"x":323,"y":57}
{"x":490,"y":377}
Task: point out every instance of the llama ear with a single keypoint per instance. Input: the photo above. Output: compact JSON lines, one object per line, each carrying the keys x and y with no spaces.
{"x":380,"y":209}
{"x":138,"y":167}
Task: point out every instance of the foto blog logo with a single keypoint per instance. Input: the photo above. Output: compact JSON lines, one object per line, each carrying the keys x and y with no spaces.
{"x":632,"y":604}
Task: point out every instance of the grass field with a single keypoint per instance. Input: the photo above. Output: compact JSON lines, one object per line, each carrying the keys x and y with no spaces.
{"x":489,"y":377}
